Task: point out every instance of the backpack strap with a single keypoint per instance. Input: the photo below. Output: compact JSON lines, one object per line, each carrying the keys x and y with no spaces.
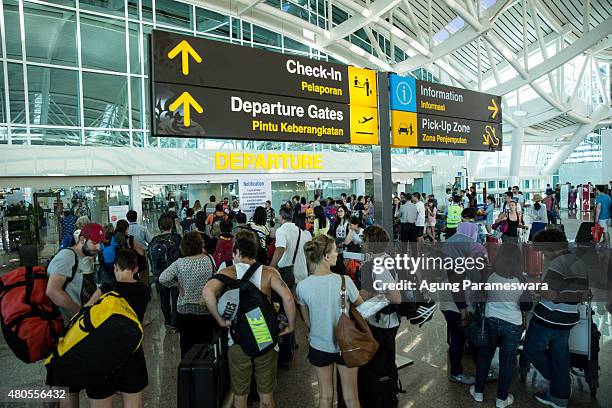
{"x":250,"y":272}
{"x":212,"y":262}
{"x":74,"y":270}
{"x":297,"y":245}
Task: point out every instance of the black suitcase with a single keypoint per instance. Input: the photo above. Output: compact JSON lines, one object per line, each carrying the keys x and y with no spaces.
{"x":203,"y":375}
{"x":286,"y":349}
{"x":584,"y":232}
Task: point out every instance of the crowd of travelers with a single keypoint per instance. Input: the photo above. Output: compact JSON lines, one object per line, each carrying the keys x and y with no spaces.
{"x":302,"y":258}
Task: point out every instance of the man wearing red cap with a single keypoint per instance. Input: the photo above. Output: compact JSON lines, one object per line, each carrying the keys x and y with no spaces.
{"x":66,"y":280}
{"x":65,"y":276}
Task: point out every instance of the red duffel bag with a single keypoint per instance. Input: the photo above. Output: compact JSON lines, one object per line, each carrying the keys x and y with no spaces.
{"x":30,"y":322}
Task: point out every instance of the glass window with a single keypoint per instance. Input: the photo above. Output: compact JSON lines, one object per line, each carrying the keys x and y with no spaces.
{"x":133,"y":9}
{"x":50,"y":35}
{"x":3,"y":135}
{"x":136,"y":88}
{"x":103,"y":43}
{"x":104,"y":6}
{"x":212,"y":23}
{"x":266,"y":37}
{"x":105,"y":100}
{"x":138,"y":139}
{"x":55,"y":137}
{"x":19,"y":136}
{"x":491,"y":185}
{"x":147,"y":10}
{"x":3,"y":118}
{"x":11,"y":29}
{"x":53,"y":96}
{"x":106,"y":138}
{"x":294,"y":45}
{"x":173,"y":13}
{"x":152,"y":141}
{"x":16,"y":93}
{"x":134,"y":31}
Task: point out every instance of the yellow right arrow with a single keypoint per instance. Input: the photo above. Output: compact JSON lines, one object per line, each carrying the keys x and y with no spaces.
{"x":494,"y":108}
{"x":186,"y":50}
{"x":187,"y":101}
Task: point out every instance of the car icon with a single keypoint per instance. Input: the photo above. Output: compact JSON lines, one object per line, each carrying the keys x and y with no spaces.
{"x":405,"y":129}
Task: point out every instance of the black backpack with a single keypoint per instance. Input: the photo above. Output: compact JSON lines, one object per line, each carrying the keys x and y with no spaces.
{"x":255,"y":328}
{"x":163,"y":251}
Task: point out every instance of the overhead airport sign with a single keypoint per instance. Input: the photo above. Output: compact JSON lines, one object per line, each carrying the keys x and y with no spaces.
{"x":443,"y":117}
{"x":204,"y":88}
{"x":246,"y":115}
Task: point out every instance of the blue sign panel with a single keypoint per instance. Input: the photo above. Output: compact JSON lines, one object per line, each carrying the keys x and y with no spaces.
{"x":403,"y":93}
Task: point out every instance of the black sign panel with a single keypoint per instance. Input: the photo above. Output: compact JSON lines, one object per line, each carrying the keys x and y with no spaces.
{"x":175,"y":60}
{"x":439,"y":132}
{"x":188,"y":111}
{"x":436,"y":99}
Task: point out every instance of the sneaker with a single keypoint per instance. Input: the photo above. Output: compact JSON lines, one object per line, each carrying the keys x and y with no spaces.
{"x":478,"y":397}
{"x":463,"y":379}
{"x":504,"y":403}
{"x":545,"y":399}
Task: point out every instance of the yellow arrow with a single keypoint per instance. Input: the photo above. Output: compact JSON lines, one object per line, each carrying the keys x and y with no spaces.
{"x":494,"y":108}
{"x":186,"y":50}
{"x":187,"y":101}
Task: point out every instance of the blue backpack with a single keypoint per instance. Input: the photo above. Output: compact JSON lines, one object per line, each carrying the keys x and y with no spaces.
{"x":109,"y":251}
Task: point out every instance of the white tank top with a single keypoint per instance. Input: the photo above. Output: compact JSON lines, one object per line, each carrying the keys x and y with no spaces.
{"x":242,"y":268}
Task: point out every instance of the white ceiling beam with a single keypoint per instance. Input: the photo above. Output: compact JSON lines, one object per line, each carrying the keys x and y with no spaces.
{"x":414,"y":24}
{"x":254,"y":3}
{"x":602,"y":90}
{"x":600,"y":113}
{"x":533,"y":47}
{"x":374,"y":43}
{"x":578,"y":80}
{"x":543,"y":50}
{"x":589,"y":40}
{"x":456,"y":41}
{"x":358,"y":21}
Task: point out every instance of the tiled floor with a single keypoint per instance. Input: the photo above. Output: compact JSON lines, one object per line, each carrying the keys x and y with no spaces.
{"x":425,"y":382}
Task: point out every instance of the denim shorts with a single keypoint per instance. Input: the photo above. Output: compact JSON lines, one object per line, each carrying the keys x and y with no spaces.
{"x":320,"y":358}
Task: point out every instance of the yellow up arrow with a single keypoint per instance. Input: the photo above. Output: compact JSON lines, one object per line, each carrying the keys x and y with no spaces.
{"x":187,"y":101}
{"x":186,"y":50}
{"x":494,"y":108}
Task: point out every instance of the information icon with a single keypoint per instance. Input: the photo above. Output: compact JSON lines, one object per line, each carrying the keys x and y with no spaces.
{"x":404,"y":93}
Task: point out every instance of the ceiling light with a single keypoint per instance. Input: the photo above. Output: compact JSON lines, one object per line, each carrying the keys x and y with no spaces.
{"x":382,"y":64}
{"x":398,"y":33}
{"x":308,"y":34}
{"x":357,"y":50}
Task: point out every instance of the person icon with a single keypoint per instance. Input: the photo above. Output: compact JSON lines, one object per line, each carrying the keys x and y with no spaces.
{"x":367,"y":87}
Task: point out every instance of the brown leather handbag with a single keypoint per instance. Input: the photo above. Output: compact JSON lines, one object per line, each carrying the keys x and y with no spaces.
{"x":357,"y":345}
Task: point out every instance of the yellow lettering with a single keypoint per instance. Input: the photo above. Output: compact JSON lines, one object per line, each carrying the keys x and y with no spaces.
{"x":261,"y":163}
{"x":318,"y":162}
{"x":296,"y":162}
{"x":236,"y":161}
{"x":307,"y":161}
{"x":272,"y":161}
{"x":249,"y":158}
{"x":221,"y":161}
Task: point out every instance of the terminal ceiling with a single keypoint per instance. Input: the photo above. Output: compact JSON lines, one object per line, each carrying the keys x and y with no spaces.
{"x":549,"y":59}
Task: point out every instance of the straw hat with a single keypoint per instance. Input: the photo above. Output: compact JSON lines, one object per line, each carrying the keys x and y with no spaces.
{"x":537,"y":197}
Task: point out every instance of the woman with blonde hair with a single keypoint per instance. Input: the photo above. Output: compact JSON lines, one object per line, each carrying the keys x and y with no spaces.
{"x":319,"y":298}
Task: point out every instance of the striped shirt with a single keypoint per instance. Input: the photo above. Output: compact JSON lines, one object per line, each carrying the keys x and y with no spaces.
{"x":567,"y":276}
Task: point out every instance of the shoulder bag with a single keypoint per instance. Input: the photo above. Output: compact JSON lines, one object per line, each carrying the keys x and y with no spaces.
{"x":356,"y":342}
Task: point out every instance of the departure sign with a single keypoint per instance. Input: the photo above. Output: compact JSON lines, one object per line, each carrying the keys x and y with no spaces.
{"x":424,"y":114}
{"x":204,"y":88}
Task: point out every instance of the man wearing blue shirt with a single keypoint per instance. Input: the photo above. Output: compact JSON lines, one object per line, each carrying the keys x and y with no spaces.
{"x":603,"y":202}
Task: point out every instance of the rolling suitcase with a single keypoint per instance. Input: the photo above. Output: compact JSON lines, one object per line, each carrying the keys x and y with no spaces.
{"x":203,"y":375}
{"x":286,"y":348}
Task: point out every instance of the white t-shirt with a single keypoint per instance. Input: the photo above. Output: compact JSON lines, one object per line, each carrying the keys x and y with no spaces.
{"x":420,"y":218}
{"x":286,"y":237}
{"x":321,"y":294}
{"x":385,"y":321}
{"x":503,"y":304}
